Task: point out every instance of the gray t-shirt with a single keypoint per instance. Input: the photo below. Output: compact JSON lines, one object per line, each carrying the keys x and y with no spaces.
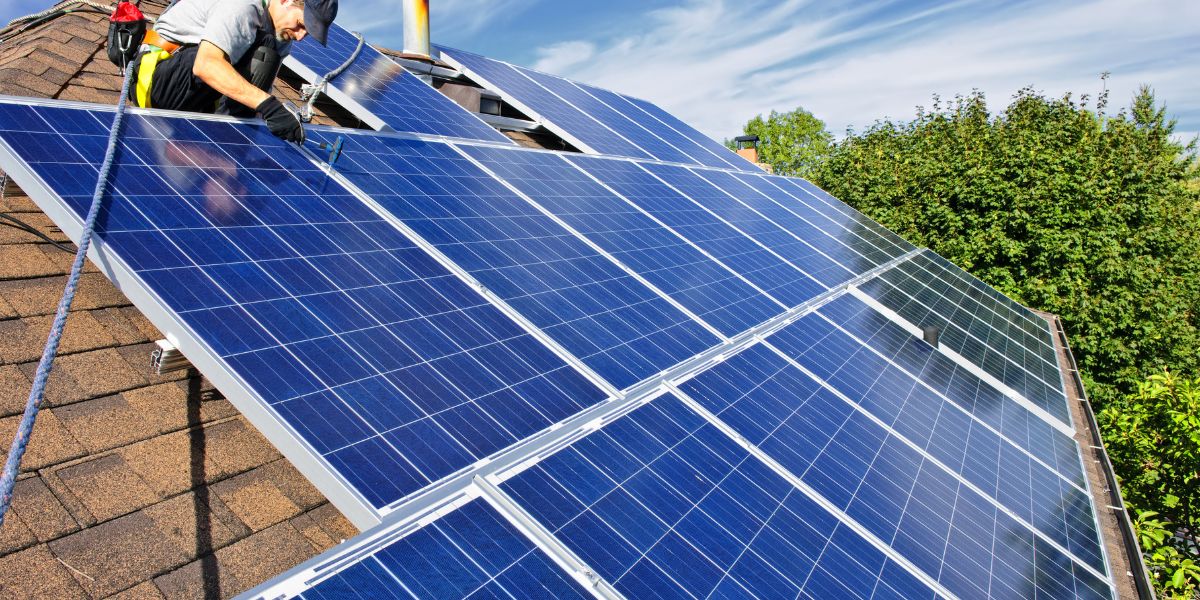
{"x":231,"y":25}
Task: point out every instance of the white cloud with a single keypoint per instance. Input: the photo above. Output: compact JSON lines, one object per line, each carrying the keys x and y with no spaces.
{"x":717,"y":64}
{"x":561,"y":57}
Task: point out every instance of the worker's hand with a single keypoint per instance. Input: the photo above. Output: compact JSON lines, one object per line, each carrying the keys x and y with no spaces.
{"x":282,"y":122}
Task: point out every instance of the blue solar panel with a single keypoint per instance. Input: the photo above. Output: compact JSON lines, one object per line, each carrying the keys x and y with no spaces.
{"x":820,"y":254}
{"x":382,"y":93}
{"x":922,"y":510}
{"x":611,"y":321}
{"x":710,"y":290}
{"x":391,"y":370}
{"x":561,"y":117}
{"x":757,"y":263}
{"x":863,"y":235}
{"x":696,"y":153}
{"x":923,"y":294}
{"x":851,"y":217}
{"x":999,"y":468}
{"x":647,"y":141}
{"x":470,"y":553}
{"x":724,"y":154}
{"x":955,"y":382}
{"x":663,"y":505}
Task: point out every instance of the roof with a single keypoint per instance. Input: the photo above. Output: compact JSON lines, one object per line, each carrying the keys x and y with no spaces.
{"x":134,"y":484}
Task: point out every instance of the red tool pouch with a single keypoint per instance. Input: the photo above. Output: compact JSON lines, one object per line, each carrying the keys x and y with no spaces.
{"x":126,"y":28}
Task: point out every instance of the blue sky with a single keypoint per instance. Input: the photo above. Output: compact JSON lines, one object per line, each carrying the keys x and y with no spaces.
{"x":718,"y":63}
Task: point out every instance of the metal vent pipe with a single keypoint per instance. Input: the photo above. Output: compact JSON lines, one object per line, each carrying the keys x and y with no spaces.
{"x":416,"y":27}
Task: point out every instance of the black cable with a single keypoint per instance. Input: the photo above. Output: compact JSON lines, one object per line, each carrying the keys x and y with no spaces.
{"x":15,"y":223}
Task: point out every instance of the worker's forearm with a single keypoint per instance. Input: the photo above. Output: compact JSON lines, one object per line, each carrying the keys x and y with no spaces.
{"x":214,"y":69}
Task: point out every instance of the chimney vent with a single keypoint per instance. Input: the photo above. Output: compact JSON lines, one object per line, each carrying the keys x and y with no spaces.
{"x":747,"y":148}
{"x":416,"y":28}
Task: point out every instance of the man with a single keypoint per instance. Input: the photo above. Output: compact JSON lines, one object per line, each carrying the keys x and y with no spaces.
{"x":202,"y":50}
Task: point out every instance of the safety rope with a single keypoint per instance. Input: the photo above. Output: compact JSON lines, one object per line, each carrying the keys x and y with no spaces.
{"x":12,"y":465}
{"x":309,"y":93}
{"x":104,"y":7}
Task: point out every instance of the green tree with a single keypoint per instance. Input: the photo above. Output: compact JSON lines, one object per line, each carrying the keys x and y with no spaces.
{"x":1086,"y":216}
{"x":1153,"y":439}
{"x":793,"y":143}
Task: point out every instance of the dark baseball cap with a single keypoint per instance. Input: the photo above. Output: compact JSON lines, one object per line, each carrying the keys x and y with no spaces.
{"x":318,"y":14}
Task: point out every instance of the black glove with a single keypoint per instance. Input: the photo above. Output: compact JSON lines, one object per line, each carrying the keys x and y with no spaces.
{"x":281,"y":121}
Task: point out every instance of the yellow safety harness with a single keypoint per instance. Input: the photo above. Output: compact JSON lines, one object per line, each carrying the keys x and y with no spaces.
{"x":155,"y":49}
{"x":150,"y":60}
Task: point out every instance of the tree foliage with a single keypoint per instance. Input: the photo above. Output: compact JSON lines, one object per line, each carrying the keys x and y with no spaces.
{"x":1153,"y":439}
{"x":1085,"y":216}
{"x":793,"y":143}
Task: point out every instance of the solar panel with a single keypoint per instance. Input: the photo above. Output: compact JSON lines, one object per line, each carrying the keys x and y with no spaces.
{"x":582,"y":299}
{"x":851,"y":218}
{"x":820,"y":254}
{"x":757,"y":263}
{"x":381,"y":93}
{"x":471,"y":552}
{"x":899,"y":493}
{"x":985,"y":332}
{"x":593,"y":119}
{"x":721,"y":152}
{"x":374,"y":368}
{"x":712,"y":156}
{"x":711,"y":290}
{"x":569,"y":122}
{"x":1001,"y":470}
{"x":956,"y":383}
{"x":663,"y":505}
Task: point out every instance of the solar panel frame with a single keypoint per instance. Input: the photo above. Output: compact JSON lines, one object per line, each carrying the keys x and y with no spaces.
{"x":401,"y":101}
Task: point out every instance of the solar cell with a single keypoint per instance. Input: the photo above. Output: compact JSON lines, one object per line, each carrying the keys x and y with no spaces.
{"x":759,"y":264}
{"x":571,"y":123}
{"x":820,"y":254}
{"x":661,"y":504}
{"x":998,"y":469}
{"x":365,"y":360}
{"x":923,"y":294}
{"x":900,"y":494}
{"x":381,"y":93}
{"x":471,"y":552}
{"x":583,"y":300}
{"x":709,"y":289}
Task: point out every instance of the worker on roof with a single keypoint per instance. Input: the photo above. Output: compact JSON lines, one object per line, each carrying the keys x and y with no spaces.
{"x":223,"y":55}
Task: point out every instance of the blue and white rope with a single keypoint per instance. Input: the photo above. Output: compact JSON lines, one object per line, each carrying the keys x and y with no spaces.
{"x":12,"y":466}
